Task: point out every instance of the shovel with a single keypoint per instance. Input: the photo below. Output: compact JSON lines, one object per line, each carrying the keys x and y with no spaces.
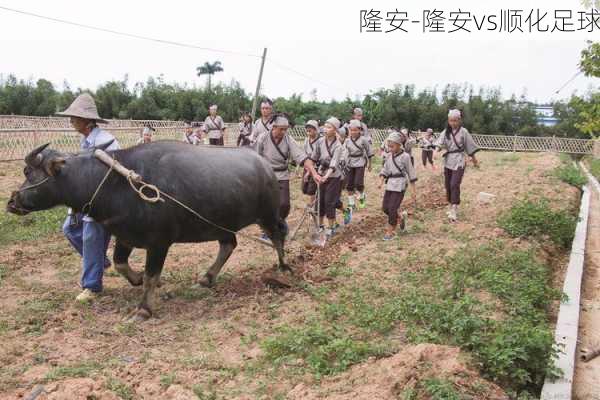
{"x":318,"y":238}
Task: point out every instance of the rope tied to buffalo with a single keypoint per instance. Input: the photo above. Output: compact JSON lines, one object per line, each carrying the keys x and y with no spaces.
{"x":156,"y":195}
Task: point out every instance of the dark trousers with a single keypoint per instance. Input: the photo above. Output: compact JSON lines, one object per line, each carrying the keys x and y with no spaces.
{"x":284,"y":199}
{"x":356,"y":179}
{"x":391,"y":205}
{"x":243,"y":141}
{"x":309,"y":187}
{"x":329,"y":197}
{"x":216,"y":142}
{"x":427,"y":156}
{"x":452,"y":181}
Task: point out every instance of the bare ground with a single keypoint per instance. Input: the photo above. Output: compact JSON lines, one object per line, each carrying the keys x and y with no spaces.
{"x":207,"y":341}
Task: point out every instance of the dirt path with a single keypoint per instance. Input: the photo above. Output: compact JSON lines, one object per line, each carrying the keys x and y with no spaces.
{"x":586,"y":383}
{"x":208,"y":341}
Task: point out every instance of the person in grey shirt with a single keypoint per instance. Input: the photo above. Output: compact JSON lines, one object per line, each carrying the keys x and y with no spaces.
{"x":214,"y":127}
{"x":357,"y":114}
{"x":359,"y":152}
{"x":459,"y":144}
{"x":263,"y":124}
{"x":279,"y":149}
{"x":396,"y":172}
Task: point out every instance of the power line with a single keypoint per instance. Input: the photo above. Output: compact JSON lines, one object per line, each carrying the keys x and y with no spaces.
{"x":569,"y":81}
{"x":131,"y":35}
{"x":302,"y":74}
{"x":168,"y":42}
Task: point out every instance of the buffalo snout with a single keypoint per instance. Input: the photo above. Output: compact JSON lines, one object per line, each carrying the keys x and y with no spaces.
{"x":13,"y":206}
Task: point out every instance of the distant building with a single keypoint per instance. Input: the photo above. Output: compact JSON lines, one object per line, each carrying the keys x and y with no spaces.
{"x":545,"y":115}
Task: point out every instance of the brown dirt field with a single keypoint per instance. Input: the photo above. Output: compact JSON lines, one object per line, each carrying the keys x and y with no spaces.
{"x":209,"y":338}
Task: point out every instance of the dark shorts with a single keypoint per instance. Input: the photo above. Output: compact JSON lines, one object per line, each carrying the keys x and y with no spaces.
{"x":284,"y":199}
{"x":452,"y":181}
{"x":356,"y":179}
{"x":216,"y":142}
{"x":309,"y":187}
{"x":391,"y":205}
{"x":427,"y":156}
{"x":330,"y":197}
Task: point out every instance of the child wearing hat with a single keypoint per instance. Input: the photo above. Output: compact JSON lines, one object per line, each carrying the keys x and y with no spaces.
{"x":359,"y":153}
{"x":396,"y":173}
{"x":146,"y":136}
{"x":328,"y":155}
{"x":245,"y":130}
{"x":357,"y":114}
{"x":214,"y":127}
{"x":309,"y":186}
{"x":278,"y":148}
{"x":427,"y":148}
{"x":458,"y":143}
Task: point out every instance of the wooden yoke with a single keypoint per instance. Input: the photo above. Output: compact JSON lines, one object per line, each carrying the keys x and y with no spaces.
{"x":117,"y":166}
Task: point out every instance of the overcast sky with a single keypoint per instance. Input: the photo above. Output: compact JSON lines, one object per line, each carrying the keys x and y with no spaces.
{"x":313,"y":39}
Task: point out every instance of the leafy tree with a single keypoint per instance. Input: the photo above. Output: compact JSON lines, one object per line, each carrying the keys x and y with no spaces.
{"x":209,"y":69}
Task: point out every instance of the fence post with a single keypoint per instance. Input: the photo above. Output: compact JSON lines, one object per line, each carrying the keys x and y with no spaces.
{"x":596,"y":148}
{"x":514,"y":143}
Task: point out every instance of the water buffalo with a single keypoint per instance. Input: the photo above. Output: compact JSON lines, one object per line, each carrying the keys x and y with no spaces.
{"x":231,"y":187}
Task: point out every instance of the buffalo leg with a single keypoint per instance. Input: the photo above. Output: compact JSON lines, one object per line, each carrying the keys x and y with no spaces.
{"x":120,"y":258}
{"x":155,"y":259}
{"x":277,"y":235}
{"x":226,"y":247}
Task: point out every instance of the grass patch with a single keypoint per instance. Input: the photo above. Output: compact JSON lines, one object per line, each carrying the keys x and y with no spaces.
{"x":571,"y":174}
{"x":34,"y":226}
{"x":492,"y":302}
{"x":78,"y":370}
{"x":324,"y":348}
{"x":507,"y":158}
{"x":594,"y":167}
{"x":535,"y":218}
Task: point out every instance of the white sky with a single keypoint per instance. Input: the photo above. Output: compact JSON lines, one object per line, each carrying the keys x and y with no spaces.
{"x":320,"y":40}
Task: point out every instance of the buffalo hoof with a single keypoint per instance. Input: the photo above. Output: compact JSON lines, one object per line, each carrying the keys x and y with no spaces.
{"x":206,"y":281}
{"x":139,"y":315}
{"x":135,"y":278}
{"x":285,"y":268}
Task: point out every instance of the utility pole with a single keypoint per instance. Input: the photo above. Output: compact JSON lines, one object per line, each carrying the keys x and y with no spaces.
{"x":260,"y":74}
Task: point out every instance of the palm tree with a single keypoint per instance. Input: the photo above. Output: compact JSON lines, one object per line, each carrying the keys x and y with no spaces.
{"x":209,"y":69}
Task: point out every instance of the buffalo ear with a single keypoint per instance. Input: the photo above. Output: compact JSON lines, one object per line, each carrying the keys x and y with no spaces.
{"x":54,"y":166}
{"x":104,"y":146}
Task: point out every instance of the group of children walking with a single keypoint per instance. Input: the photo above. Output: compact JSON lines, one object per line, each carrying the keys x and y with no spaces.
{"x":335,"y":157}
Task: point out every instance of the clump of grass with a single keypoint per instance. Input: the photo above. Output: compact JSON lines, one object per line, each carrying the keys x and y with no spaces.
{"x":120,"y":388}
{"x":325,"y":349}
{"x":535,"y":218}
{"x":570,"y":174}
{"x":492,"y":302}
{"x":78,"y":370}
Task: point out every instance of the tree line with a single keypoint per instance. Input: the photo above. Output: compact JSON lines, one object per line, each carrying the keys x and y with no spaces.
{"x":485,"y":110}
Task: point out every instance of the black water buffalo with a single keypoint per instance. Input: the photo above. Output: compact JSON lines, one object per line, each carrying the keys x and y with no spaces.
{"x":231,"y":187}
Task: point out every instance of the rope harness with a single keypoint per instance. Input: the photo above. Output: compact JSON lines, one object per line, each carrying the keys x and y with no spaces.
{"x":157,"y":195}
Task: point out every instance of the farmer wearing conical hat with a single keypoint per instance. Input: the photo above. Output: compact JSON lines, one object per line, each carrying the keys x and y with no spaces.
{"x":396,"y":173}
{"x":88,"y":237}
